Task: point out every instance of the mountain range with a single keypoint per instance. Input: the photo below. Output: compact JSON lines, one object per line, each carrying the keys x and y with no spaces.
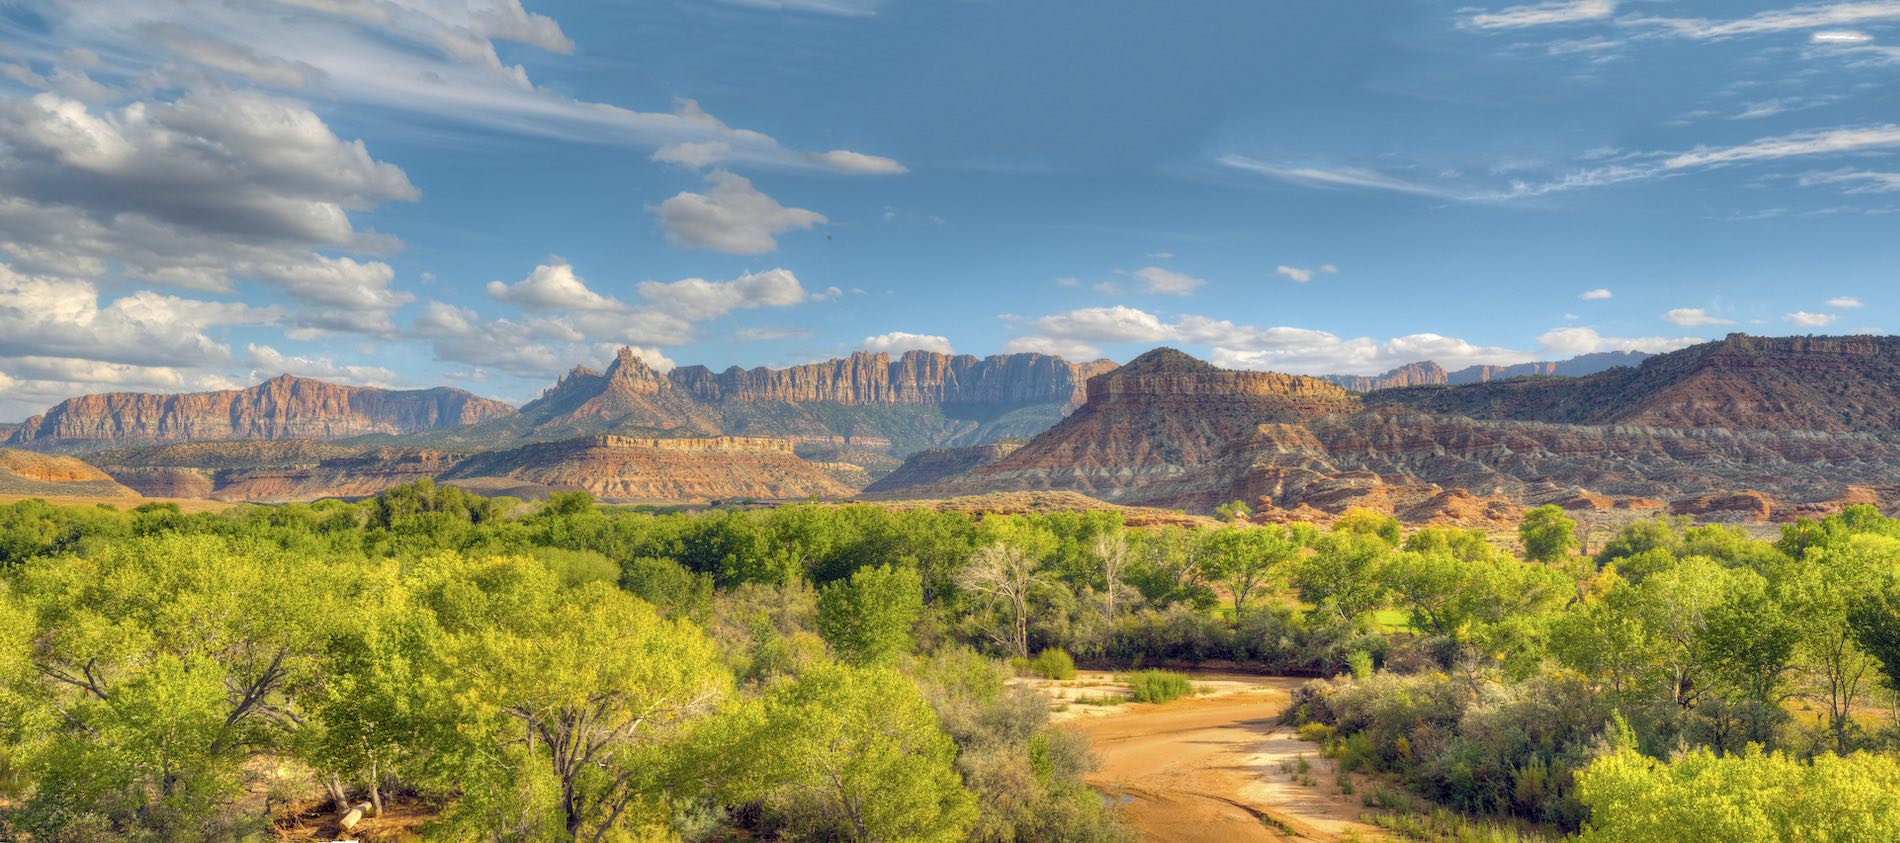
{"x":1745,"y":428}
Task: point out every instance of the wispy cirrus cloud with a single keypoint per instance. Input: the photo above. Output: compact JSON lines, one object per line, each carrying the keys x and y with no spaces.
{"x":1798,"y":18}
{"x":1542,"y":14}
{"x":1627,"y":167}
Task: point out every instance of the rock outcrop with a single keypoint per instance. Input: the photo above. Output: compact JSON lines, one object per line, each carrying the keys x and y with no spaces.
{"x":633,"y":469}
{"x":285,"y":407}
{"x":1171,"y":431}
{"x":29,"y":473}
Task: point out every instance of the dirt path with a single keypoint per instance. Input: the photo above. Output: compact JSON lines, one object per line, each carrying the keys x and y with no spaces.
{"x":1219,"y":768}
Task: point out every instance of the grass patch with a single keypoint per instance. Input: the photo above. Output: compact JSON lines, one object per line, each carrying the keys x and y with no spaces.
{"x":1156,"y":686}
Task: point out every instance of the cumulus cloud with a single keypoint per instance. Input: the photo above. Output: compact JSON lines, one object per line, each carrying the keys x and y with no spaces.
{"x":732,"y":217}
{"x":195,"y":192}
{"x":552,"y":286}
{"x":1690,"y":317}
{"x":1810,"y":320}
{"x":897,"y":342}
{"x":1597,"y":294}
{"x":53,"y":317}
{"x":1079,"y":334}
{"x":267,"y":362}
{"x":696,"y":299}
{"x":1167,"y":282}
{"x":1844,"y":302}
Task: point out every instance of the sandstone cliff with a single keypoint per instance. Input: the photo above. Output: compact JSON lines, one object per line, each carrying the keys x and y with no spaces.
{"x":285,"y":407}
{"x":617,"y":468}
{"x":865,"y":402}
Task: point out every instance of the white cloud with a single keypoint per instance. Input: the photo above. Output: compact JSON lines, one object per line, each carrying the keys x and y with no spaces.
{"x":267,"y":362}
{"x":1597,"y":294}
{"x":1840,"y":36}
{"x":845,"y":8}
{"x":1789,"y":146}
{"x":1854,"y":181}
{"x":1107,"y":288}
{"x":768,"y":334}
{"x":695,"y":299}
{"x":51,"y":317}
{"x":552,"y":286}
{"x":897,"y":342}
{"x":1810,"y":320}
{"x":1845,"y":302}
{"x":1544,"y":14}
{"x":1337,"y":177}
{"x":732,"y":217}
{"x":1814,"y":16}
{"x":1690,"y":317}
{"x":425,"y":57}
{"x":1068,"y":281}
{"x":1302,"y":274}
{"x":858,"y":163}
{"x":1168,"y":282}
{"x":1078,"y":334}
{"x":195,"y":192}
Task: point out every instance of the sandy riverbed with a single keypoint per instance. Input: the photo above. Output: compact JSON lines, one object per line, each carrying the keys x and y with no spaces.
{"x":1214,"y":767}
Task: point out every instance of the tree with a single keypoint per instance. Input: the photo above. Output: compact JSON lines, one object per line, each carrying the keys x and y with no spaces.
{"x":1007,"y":578}
{"x":1246,"y":558}
{"x":158,"y":664}
{"x":1366,"y":522}
{"x":1820,"y":596}
{"x":858,"y":749}
{"x":1752,"y":797}
{"x":1875,"y":619}
{"x":1111,"y":547}
{"x":1233,"y":511}
{"x":1548,"y":534}
{"x":1341,"y":576}
{"x":570,"y":697}
{"x":868,"y":619}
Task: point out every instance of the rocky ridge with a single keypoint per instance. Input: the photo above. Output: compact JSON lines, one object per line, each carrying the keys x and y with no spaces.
{"x":1176,"y":432}
{"x":284,"y":407}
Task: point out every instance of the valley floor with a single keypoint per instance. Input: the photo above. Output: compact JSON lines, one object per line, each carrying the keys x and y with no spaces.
{"x":1219,"y":766}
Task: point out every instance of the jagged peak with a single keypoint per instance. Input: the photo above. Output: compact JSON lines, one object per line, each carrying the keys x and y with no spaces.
{"x":1166,"y":361}
{"x":628,"y":365}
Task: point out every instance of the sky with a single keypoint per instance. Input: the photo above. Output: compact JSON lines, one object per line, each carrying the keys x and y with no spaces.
{"x":201,"y":194}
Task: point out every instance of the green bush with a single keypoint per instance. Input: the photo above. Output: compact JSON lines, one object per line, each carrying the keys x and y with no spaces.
{"x":1053,"y":663}
{"x":1156,"y":686}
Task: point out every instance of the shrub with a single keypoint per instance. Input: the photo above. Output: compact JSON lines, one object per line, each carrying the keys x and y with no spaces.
{"x":1156,"y":686}
{"x":1053,"y":663}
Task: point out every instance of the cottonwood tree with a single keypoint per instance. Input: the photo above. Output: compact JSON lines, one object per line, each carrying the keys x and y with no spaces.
{"x":1007,"y":578}
{"x":1112,"y":549}
{"x":155,"y":667}
{"x":856,"y":749}
{"x":867,"y":620}
{"x":1246,"y":559}
{"x":572,"y":698}
{"x":1548,"y":534}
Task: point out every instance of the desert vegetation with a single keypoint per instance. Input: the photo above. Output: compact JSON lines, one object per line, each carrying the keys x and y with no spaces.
{"x":432,"y":663}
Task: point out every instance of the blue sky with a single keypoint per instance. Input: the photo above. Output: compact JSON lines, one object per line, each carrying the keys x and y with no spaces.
{"x":411,"y":192}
